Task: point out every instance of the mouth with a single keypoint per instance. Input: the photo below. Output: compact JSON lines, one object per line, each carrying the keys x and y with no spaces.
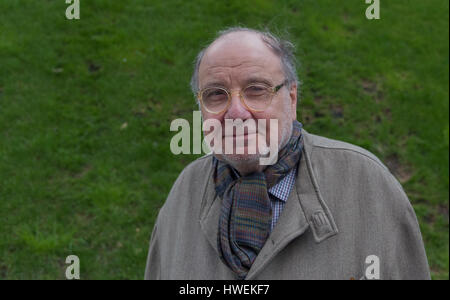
{"x":244,"y":136}
{"x":240,"y":135}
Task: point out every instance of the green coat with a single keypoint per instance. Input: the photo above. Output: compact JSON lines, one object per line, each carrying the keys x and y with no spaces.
{"x":345,"y":208}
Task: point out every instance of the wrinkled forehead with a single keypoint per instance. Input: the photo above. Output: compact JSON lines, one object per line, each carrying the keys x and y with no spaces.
{"x":236,"y":57}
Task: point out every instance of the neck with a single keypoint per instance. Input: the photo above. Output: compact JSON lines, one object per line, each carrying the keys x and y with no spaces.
{"x":246,"y":170}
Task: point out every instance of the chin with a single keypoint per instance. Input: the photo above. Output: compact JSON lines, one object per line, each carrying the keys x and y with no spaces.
{"x":238,"y":157}
{"x":244,"y":163}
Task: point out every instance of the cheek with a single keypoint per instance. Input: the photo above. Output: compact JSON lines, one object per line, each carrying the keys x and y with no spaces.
{"x":268,"y":116}
{"x":285,"y":115}
{"x":294,"y":111}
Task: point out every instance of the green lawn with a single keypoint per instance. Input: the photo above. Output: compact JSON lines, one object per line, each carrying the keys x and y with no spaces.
{"x":86,"y":105}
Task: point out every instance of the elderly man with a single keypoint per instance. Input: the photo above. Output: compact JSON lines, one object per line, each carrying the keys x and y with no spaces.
{"x":324,"y":210}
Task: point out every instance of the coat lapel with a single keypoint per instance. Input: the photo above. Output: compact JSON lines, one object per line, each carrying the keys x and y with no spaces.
{"x":291,"y":224}
{"x":210,"y":211}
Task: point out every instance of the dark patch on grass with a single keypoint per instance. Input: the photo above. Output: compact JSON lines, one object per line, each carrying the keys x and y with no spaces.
{"x":167,"y":61}
{"x":3,"y":271}
{"x":384,"y":114}
{"x":351,"y":29}
{"x":154,"y":105}
{"x":178,"y":111}
{"x":429,"y":218}
{"x":379,"y":96}
{"x":401,"y":171}
{"x":372,"y":89}
{"x":84,"y":218}
{"x":387,"y":113}
{"x":140,"y":111}
{"x":443,"y":210}
{"x":337,"y":111}
{"x":308,"y":115}
{"x":93,"y":67}
{"x":83,"y":172}
{"x":318,"y":114}
{"x":369,"y":87}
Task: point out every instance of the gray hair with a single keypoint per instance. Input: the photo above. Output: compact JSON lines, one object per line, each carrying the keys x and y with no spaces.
{"x":283,"y":48}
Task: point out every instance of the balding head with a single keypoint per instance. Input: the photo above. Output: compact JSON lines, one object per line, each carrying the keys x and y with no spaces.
{"x":281,"y":48}
{"x":237,"y":59}
{"x":234,"y":45}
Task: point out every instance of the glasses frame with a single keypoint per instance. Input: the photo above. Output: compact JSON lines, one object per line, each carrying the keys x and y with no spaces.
{"x":273,"y":91}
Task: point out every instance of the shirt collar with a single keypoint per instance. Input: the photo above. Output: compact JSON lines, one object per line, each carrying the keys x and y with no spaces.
{"x":282,"y":189}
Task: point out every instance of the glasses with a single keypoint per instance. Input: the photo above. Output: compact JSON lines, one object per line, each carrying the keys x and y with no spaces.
{"x":256,"y":97}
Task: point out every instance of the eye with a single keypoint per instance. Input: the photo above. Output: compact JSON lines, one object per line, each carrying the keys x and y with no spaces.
{"x":256,"y":90}
{"x":215,"y":94}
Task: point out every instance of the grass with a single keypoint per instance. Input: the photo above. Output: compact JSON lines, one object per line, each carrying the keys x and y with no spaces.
{"x":86,"y":105}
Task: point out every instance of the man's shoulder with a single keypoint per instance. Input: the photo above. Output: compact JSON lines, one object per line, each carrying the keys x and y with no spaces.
{"x":187,"y":191}
{"x":195,"y":174}
{"x":348,"y":159}
{"x":334,"y":147}
{"x":199,"y":167}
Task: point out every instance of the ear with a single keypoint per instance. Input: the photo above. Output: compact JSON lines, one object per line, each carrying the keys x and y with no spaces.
{"x":293,"y":99}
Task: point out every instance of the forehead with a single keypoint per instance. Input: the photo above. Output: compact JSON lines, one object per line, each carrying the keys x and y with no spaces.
{"x":237,"y":58}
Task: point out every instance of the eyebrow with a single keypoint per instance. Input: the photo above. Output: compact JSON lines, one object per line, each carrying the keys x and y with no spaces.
{"x":257,"y":79}
{"x":214,"y":84}
{"x":250,"y":80}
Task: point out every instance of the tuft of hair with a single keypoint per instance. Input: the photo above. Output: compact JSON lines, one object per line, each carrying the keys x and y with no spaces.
{"x":284,"y":49}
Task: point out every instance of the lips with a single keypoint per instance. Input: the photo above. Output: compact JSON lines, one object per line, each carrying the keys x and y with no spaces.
{"x":237,"y":136}
{"x":246,"y":133}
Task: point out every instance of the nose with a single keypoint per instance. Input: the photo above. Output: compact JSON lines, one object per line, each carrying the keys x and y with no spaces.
{"x":237,"y":110}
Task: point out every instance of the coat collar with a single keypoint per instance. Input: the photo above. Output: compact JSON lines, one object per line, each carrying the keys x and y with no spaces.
{"x":304,"y":208}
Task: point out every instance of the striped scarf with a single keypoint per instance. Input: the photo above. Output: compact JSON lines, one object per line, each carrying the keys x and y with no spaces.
{"x":246,"y":214}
